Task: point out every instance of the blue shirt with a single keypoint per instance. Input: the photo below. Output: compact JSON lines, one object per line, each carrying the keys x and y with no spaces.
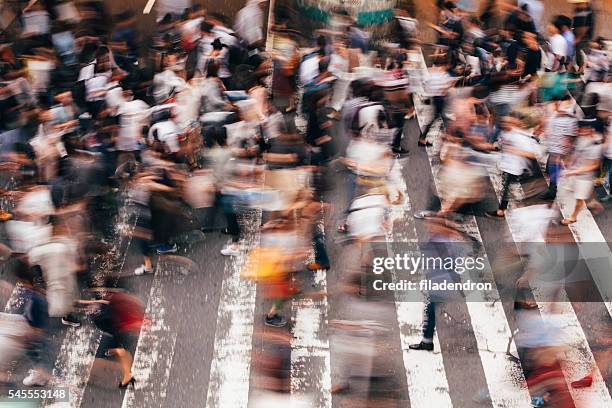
{"x":570,"y":38}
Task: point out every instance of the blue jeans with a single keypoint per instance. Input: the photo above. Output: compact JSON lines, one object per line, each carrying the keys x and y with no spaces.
{"x":609,"y":164}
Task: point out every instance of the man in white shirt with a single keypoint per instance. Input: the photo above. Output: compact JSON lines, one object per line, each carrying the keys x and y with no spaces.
{"x":518,"y":149}
{"x":249,"y":23}
{"x":133,"y":115}
{"x":167,"y":132}
{"x":558,"y":48}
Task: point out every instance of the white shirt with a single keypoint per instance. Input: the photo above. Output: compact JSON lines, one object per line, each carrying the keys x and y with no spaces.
{"x":164,"y":83}
{"x":512,"y":163}
{"x":39,"y":74}
{"x":309,"y":69}
{"x":25,"y":235}
{"x":132,"y":117}
{"x":367,"y":153}
{"x":249,"y":22}
{"x":96,"y":86}
{"x":368,"y":116}
{"x":167,"y":133}
{"x":558,"y":45}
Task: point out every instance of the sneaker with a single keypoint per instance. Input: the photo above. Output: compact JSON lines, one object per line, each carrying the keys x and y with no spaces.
{"x":606,"y":198}
{"x":421,"y":346}
{"x":71,"y":320}
{"x":141,"y":270}
{"x":424,"y":214}
{"x":166,"y":249}
{"x":231,"y":250}
{"x":275,"y":321}
{"x":35,"y":379}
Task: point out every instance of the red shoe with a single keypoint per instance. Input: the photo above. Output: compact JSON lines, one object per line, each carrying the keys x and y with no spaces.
{"x":584,"y":382}
{"x":313,"y":266}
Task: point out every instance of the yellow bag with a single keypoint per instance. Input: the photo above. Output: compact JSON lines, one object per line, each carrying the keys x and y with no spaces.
{"x":263,"y":265}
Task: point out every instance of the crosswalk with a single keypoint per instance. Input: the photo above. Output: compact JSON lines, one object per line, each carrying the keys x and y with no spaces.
{"x":431,"y":379}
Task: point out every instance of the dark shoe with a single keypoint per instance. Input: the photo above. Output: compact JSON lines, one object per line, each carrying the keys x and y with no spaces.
{"x":421,"y":346}
{"x":166,"y":249}
{"x":275,"y":321}
{"x":549,"y":194}
{"x":494,"y":215}
{"x":131,"y":382}
{"x":400,"y":151}
{"x":71,"y":320}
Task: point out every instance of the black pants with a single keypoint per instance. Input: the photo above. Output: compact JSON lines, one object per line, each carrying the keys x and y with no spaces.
{"x":438,"y":106}
{"x":397,"y":119}
{"x":429,"y":320}
{"x":228,"y":203}
{"x":507,"y":179}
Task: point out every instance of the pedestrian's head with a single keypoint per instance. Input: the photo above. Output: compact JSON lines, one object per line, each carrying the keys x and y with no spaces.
{"x":563,"y":23}
{"x":206,"y":27}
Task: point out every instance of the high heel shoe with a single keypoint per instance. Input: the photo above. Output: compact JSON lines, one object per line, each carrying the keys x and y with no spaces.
{"x":131,"y":381}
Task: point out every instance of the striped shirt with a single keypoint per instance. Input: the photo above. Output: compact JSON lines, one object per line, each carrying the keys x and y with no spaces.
{"x":510,"y":94}
{"x":437,"y":83}
{"x":560,"y":129}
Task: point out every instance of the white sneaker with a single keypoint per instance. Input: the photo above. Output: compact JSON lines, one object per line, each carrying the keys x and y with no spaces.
{"x":231,"y":250}
{"x":141,"y":270}
{"x":35,"y":379}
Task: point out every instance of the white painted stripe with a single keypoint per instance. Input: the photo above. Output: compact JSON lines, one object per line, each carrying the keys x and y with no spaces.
{"x":425,"y":372}
{"x":310,"y":355}
{"x":154,"y":352}
{"x":16,"y":300}
{"x":78,"y":349}
{"x":505,"y":379}
{"x":231,"y":366}
{"x":579,"y":359}
{"x":148,"y":7}
{"x":593,"y":246}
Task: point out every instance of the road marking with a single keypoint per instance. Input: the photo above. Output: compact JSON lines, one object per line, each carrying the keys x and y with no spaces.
{"x":148,"y":7}
{"x":579,"y":359}
{"x":310,"y":355}
{"x":425,"y":372}
{"x":505,"y":378}
{"x":154,"y":352}
{"x":231,"y":366}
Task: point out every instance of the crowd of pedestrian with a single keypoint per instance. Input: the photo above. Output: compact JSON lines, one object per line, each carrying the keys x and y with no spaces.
{"x":201,"y":119}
